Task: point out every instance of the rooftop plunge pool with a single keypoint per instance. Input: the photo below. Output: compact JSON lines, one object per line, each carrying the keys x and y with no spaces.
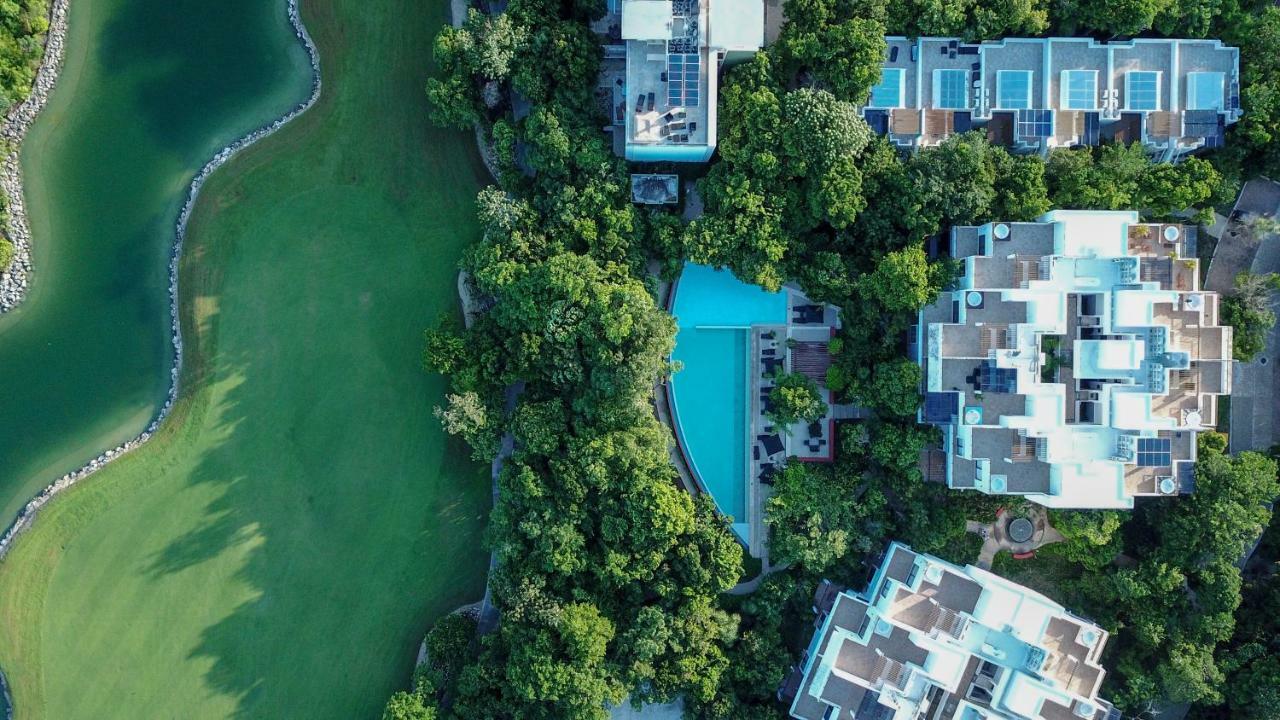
{"x":710,"y":396}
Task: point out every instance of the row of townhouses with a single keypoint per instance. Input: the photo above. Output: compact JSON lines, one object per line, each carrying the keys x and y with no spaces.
{"x":1035,"y":94}
{"x":1175,"y":96}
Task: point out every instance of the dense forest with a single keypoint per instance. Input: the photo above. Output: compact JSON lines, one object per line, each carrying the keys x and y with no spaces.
{"x":610,"y":576}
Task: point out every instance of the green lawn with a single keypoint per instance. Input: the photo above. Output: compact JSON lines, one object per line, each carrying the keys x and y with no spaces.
{"x":277,"y":551}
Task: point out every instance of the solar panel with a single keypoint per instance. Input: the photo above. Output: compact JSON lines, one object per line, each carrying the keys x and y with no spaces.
{"x":951,"y":89}
{"x":1092,"y":131}
{"x":682,"y":79}
{"x":997,"y":380}
{"x":1035,"y":123}
{"x":1154,"y":452}
{"x":1013,"y":89}
{"x":878,"y":120}
{"x":1142,"y":90}
{"x":939,"y":407}
{"x":888,"y":93}
{"x":1205,"y":90}
{"x":1079,"y":89}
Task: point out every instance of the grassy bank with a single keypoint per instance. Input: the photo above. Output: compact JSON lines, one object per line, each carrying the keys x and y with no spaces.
{"x":278,"y":548}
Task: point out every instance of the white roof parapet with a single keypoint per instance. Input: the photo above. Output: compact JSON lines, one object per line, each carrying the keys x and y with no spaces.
{"x":736,"y":25}
{"x":646,"y":19}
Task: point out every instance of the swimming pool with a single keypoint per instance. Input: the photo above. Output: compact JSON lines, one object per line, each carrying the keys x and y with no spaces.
{"x":714,"y":312}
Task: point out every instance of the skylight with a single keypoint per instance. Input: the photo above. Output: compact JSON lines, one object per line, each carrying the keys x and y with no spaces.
{"x":951,"y":89}
{"x":1080,"y":89}
{"x":888,"y":93}
{"x":1205,"y":90}
{"x":1013,"y":89}
{"x":1142,"y":90}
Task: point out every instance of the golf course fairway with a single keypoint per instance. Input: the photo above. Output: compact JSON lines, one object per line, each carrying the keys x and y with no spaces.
{"x":277,"y":550}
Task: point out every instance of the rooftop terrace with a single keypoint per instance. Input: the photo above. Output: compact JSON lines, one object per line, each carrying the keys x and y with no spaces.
{"x":1072,"y":344}
{"x":1174,"y":95}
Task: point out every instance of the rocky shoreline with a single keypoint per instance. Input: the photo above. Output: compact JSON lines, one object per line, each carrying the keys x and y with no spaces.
{"x":13,"y":282}
{"x":28,"y":513}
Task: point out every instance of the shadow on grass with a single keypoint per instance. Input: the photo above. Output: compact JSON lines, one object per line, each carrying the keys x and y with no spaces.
{"x":350,"y":520}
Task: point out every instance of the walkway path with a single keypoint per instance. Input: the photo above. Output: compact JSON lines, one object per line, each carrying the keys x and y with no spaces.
{"x":1255,"y":416}
{"x":487,"y":620}
{"x":996,"y":538}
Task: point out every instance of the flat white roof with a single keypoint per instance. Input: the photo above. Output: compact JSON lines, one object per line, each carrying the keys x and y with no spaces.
{"x":1091,"y":485}
{"x":736,"y":24}
{"x":1108,"y":358}
{"x":1091,"y":233}
{"x":646,"y":19}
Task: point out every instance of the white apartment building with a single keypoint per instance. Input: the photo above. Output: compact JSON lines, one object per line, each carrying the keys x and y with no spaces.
{"x":932,"y":640}
{"x":1075,"y":361}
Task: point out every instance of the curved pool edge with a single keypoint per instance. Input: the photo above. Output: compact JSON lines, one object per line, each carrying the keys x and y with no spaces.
{"x":664,"y":404}
{"x":682,"y":459}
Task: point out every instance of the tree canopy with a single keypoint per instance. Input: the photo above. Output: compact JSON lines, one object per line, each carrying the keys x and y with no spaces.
{"x":795,"y":398}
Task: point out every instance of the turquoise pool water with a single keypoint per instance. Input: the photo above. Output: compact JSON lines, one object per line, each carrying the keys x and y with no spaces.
{"x":714,"y":312}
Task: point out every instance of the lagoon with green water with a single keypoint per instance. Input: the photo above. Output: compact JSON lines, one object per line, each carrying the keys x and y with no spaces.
{"x":282,"y":543}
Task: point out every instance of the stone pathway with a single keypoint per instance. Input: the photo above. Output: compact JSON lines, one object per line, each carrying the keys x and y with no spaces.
{"x":487,"y":613}
{"x":996,"y":538}
{"x":1255,"y":415}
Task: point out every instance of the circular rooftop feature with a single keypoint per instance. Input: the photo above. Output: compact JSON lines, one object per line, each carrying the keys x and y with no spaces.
{"x":1171,"y":232}
{"x":1020,"y":530}
{"x":1167,"y":486}
{"x":973,"y":298}
{"x":1001,"y":231}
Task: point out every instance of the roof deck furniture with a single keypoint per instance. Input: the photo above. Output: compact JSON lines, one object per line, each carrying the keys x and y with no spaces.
{"x":772,"y":444}
{"x":674,"y":51}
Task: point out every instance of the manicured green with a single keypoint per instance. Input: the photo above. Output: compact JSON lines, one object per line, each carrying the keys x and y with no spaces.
{"x":279,"y":549}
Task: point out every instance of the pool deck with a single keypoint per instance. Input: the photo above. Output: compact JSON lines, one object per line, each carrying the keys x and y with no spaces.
{"x":796,"y":345}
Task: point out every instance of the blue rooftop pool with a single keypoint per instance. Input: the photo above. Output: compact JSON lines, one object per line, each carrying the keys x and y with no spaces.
{"x":714,"y":312}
